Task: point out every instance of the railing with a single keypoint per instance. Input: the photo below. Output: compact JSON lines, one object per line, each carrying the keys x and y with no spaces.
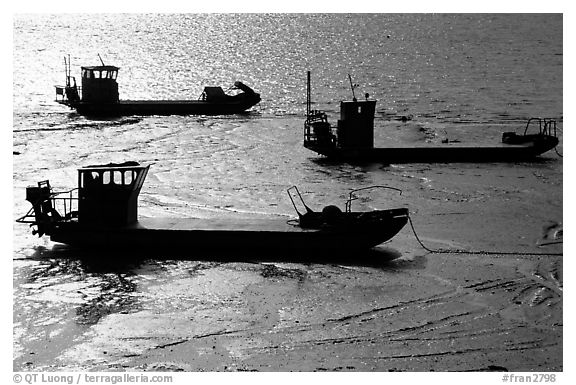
{"x":60,"y":90}
{"x":61,"y":94}
{"x":68,"y":205}
{"x":353,"y":197}
{"x":546,"y":126}
{"x":61,"y":208}
{"x":313,"y":132}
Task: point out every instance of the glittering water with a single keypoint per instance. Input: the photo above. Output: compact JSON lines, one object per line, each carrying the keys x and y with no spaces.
{"x":463,"y":77}
{"x":472,"y":67}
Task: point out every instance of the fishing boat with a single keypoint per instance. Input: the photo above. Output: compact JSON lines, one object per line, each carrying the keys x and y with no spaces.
{"x":353,"y":139}
{"x":102,"y":213}
{"x":98,"y":96}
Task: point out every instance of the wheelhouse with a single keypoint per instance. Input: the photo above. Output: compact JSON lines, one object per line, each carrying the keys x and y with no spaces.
{"x":109,"y":195}
{"x":99,"y":84}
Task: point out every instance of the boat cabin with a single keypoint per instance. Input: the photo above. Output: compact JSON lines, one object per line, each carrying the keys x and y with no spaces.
{"x":213,"y":95}
{"x":355,"y":129}
{"x":99,"y":84}
{"x":356,"y":124}
{"x":108,"y":194}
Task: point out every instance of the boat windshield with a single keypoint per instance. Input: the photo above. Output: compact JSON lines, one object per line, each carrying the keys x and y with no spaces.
{"x":96,"y":177}
{"x":101,"y":72}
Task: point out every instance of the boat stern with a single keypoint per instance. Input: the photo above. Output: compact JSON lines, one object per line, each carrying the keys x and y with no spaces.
{"x":540,"y":142}
{"x":45,"y":214}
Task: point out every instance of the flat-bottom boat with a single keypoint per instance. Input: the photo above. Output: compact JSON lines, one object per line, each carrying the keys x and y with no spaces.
{"x":102,"y":212}
{"x":528,"y":150}
{"x":213,"y":101}
{"x":353,"y":139}
{"x":98,"y":97}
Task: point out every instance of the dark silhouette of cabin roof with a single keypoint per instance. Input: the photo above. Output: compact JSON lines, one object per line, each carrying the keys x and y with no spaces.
{"x":101,"y":68}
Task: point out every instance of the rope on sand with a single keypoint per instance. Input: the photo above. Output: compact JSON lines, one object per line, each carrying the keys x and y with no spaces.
{"x":460,"y":251}
{"x":557,"y":153}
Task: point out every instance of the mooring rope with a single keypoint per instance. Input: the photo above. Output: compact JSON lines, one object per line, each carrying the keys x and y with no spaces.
{"x":557,"y":153}
{"x":481,"y":252}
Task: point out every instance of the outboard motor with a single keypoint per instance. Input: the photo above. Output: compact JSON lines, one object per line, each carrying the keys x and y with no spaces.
{"x":44,"y":212}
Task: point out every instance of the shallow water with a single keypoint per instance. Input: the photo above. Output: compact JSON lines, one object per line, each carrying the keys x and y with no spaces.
{"x":457,"y":77}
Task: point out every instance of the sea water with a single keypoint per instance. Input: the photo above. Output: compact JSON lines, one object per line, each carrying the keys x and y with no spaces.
{"x":463,"y":77}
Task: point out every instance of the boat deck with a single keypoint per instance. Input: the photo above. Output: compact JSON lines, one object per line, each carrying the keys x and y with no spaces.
{"x":164,"y":107}
{"x":452,"y":145}
{"x":217,"y":234}
{"x":219,"y":224}
{"x":193,"y":235}
{"x":161,"y":101}
{"x":444,"y":152}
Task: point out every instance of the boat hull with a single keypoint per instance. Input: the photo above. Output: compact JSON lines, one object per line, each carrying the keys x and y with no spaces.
{"x":162,"y":107}
{"x":446,"y":153}
{"x":231,"y":235}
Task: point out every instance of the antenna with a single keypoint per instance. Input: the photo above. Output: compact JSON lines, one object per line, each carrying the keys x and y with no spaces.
{"x":352,"y":88}
{"x":101,"y":61}
{"x":308,"y":98}
{"x":66,"y":72}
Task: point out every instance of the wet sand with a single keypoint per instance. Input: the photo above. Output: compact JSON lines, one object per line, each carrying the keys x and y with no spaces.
{"x":423,"y":313}
{"x":400,"y":308}
{"x":464,"y":78}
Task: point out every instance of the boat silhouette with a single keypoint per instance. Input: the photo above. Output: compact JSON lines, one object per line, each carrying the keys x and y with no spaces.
{"x":98,"y":96}
{"x":102,"y":213}
{"x":353,"y":139}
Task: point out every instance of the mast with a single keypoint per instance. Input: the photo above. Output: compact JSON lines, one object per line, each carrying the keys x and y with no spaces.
{"x":352,"y":88}
{"x":308,"y":98}
{"x":66,"y":72}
